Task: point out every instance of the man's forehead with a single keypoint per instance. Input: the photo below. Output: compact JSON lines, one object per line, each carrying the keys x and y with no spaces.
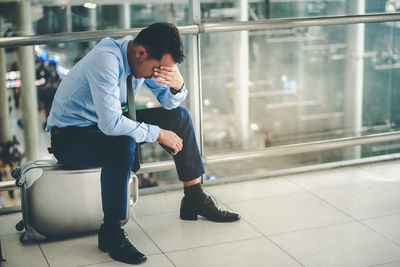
{"x":168,"y":60}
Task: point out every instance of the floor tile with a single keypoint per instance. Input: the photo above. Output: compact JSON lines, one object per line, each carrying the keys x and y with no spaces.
{"x":327,"y":179}
{"x":342,"y":245}
{"x":158,"y":203}
{"x":83,"y":250}
{"x":301,"y":223}
{"x":73,"y":252}
{"x":171,"y":233}
{"x":141,"y":241}
{"x":388,"y":226}
{"x":158,"y":260}
{"x":8,"y":223}
{"x":365,"y":201}
{"x":383,"y":171}
{"x":18,"y":255}
{"x":254,"y":252}
{"x":289,"y":213}
{"x":237,"y":192}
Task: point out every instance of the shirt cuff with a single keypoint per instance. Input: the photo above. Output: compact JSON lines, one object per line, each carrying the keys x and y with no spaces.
{"x":154,"y":132}
{"x":178,"y":95}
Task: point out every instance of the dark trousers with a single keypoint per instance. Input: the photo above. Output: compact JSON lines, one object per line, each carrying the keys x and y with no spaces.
{"x":88,"y":147}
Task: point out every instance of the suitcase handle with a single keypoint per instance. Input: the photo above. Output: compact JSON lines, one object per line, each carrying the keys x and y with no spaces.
{"x":19,"y":173}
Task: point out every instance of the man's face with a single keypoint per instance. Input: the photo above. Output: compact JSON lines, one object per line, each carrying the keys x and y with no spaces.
{"x":145,"y":67}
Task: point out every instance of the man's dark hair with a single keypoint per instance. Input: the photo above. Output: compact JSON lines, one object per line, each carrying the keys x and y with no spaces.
{"x":161,"y":38}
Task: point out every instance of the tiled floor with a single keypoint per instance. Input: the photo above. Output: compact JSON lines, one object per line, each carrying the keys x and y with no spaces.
{"x":339,"y":217}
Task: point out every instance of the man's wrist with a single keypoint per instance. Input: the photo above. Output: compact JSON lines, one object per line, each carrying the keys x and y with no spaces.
{"x":159,"y":135}
{"x":174,"y":91}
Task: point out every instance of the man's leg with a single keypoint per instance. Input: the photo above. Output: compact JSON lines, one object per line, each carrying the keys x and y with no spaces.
{"x":89,"y":148}
{"x":188,"y":163}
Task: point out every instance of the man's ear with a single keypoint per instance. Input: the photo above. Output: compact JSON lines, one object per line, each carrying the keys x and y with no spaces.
{"x":141,"y":52}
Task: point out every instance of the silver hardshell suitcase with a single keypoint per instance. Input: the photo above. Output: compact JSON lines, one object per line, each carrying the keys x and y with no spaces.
{"x":59,"y":201}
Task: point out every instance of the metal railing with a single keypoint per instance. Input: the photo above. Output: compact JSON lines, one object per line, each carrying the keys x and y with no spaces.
{"x":226,"y":27}
{"x":277,"y":151}
{"x":286,"y":150}
{"x":202,"y":28}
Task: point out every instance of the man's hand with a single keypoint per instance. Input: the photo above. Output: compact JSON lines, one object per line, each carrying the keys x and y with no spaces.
{"x":169,"y":76}
{"x":171,"y":140}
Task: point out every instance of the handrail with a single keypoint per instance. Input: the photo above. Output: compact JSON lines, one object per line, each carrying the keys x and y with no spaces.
{"x":299,"y":22}
{"x":202,"y":28}
{"x":285,"y":150}
{"x":7,"y":185}
{"x":305,"y":147}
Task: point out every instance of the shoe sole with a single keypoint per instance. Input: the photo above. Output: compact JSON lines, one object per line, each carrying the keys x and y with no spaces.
{"x":137,"y":261}
{"x":189,"y":216}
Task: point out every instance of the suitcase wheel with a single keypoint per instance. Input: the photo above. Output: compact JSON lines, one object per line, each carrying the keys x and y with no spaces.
{"x":23,"y":239}
{"x":20,"y":226}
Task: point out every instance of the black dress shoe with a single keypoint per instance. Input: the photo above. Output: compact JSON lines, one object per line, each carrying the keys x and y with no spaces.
{"x":115,"y":241}
{"x":206,"y":207}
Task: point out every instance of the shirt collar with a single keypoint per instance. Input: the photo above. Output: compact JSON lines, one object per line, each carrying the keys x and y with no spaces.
{"x":125,"y":55}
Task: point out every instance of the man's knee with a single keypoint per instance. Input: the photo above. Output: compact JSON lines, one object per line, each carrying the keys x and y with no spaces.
{"x":123,"y":148}
{"x":183,"y":116}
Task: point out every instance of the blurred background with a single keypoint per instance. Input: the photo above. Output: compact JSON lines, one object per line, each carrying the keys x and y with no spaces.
{"x":259,"y":89}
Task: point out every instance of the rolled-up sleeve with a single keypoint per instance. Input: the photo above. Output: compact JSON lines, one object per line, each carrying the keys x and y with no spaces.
{"x":103,"y":78}
{"x":164,"y":95}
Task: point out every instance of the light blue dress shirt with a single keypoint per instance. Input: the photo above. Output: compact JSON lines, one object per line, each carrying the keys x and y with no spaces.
{"x":95,"y":89}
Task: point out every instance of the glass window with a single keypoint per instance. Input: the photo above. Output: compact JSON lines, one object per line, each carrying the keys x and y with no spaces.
{"x":304,"y":84}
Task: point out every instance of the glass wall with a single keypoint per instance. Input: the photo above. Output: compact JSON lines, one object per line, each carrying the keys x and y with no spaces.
{"x":297,"y":81}
{"x":302,"y":88}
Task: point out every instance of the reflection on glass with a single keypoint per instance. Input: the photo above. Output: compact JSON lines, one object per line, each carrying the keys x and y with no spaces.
{"x":297,"y":85}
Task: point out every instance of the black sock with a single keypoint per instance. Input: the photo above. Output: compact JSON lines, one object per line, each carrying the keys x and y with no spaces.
{"x":194,"y":191}
{"x":112,"y":224}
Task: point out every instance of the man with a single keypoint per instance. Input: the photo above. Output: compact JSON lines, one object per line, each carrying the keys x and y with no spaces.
{"x":88,"y":128}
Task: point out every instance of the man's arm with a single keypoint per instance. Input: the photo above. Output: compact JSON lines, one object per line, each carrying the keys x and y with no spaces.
{"x":164,"y":79}
{"x":103,"y":78}
{"x":170,"y":76}
{"x":171,"y":140}
{"x":168,"y":87}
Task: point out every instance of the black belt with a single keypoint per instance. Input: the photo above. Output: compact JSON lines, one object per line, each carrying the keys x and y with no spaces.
{"x":70,"y":129}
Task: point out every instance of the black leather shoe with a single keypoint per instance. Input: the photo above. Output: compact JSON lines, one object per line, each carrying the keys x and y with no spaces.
{"x":206,"y":207}
{"x":115,"y":241}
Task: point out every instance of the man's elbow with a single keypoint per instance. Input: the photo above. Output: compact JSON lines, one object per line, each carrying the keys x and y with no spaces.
{"x":106,"y":127}
{"x":171,"y":105}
